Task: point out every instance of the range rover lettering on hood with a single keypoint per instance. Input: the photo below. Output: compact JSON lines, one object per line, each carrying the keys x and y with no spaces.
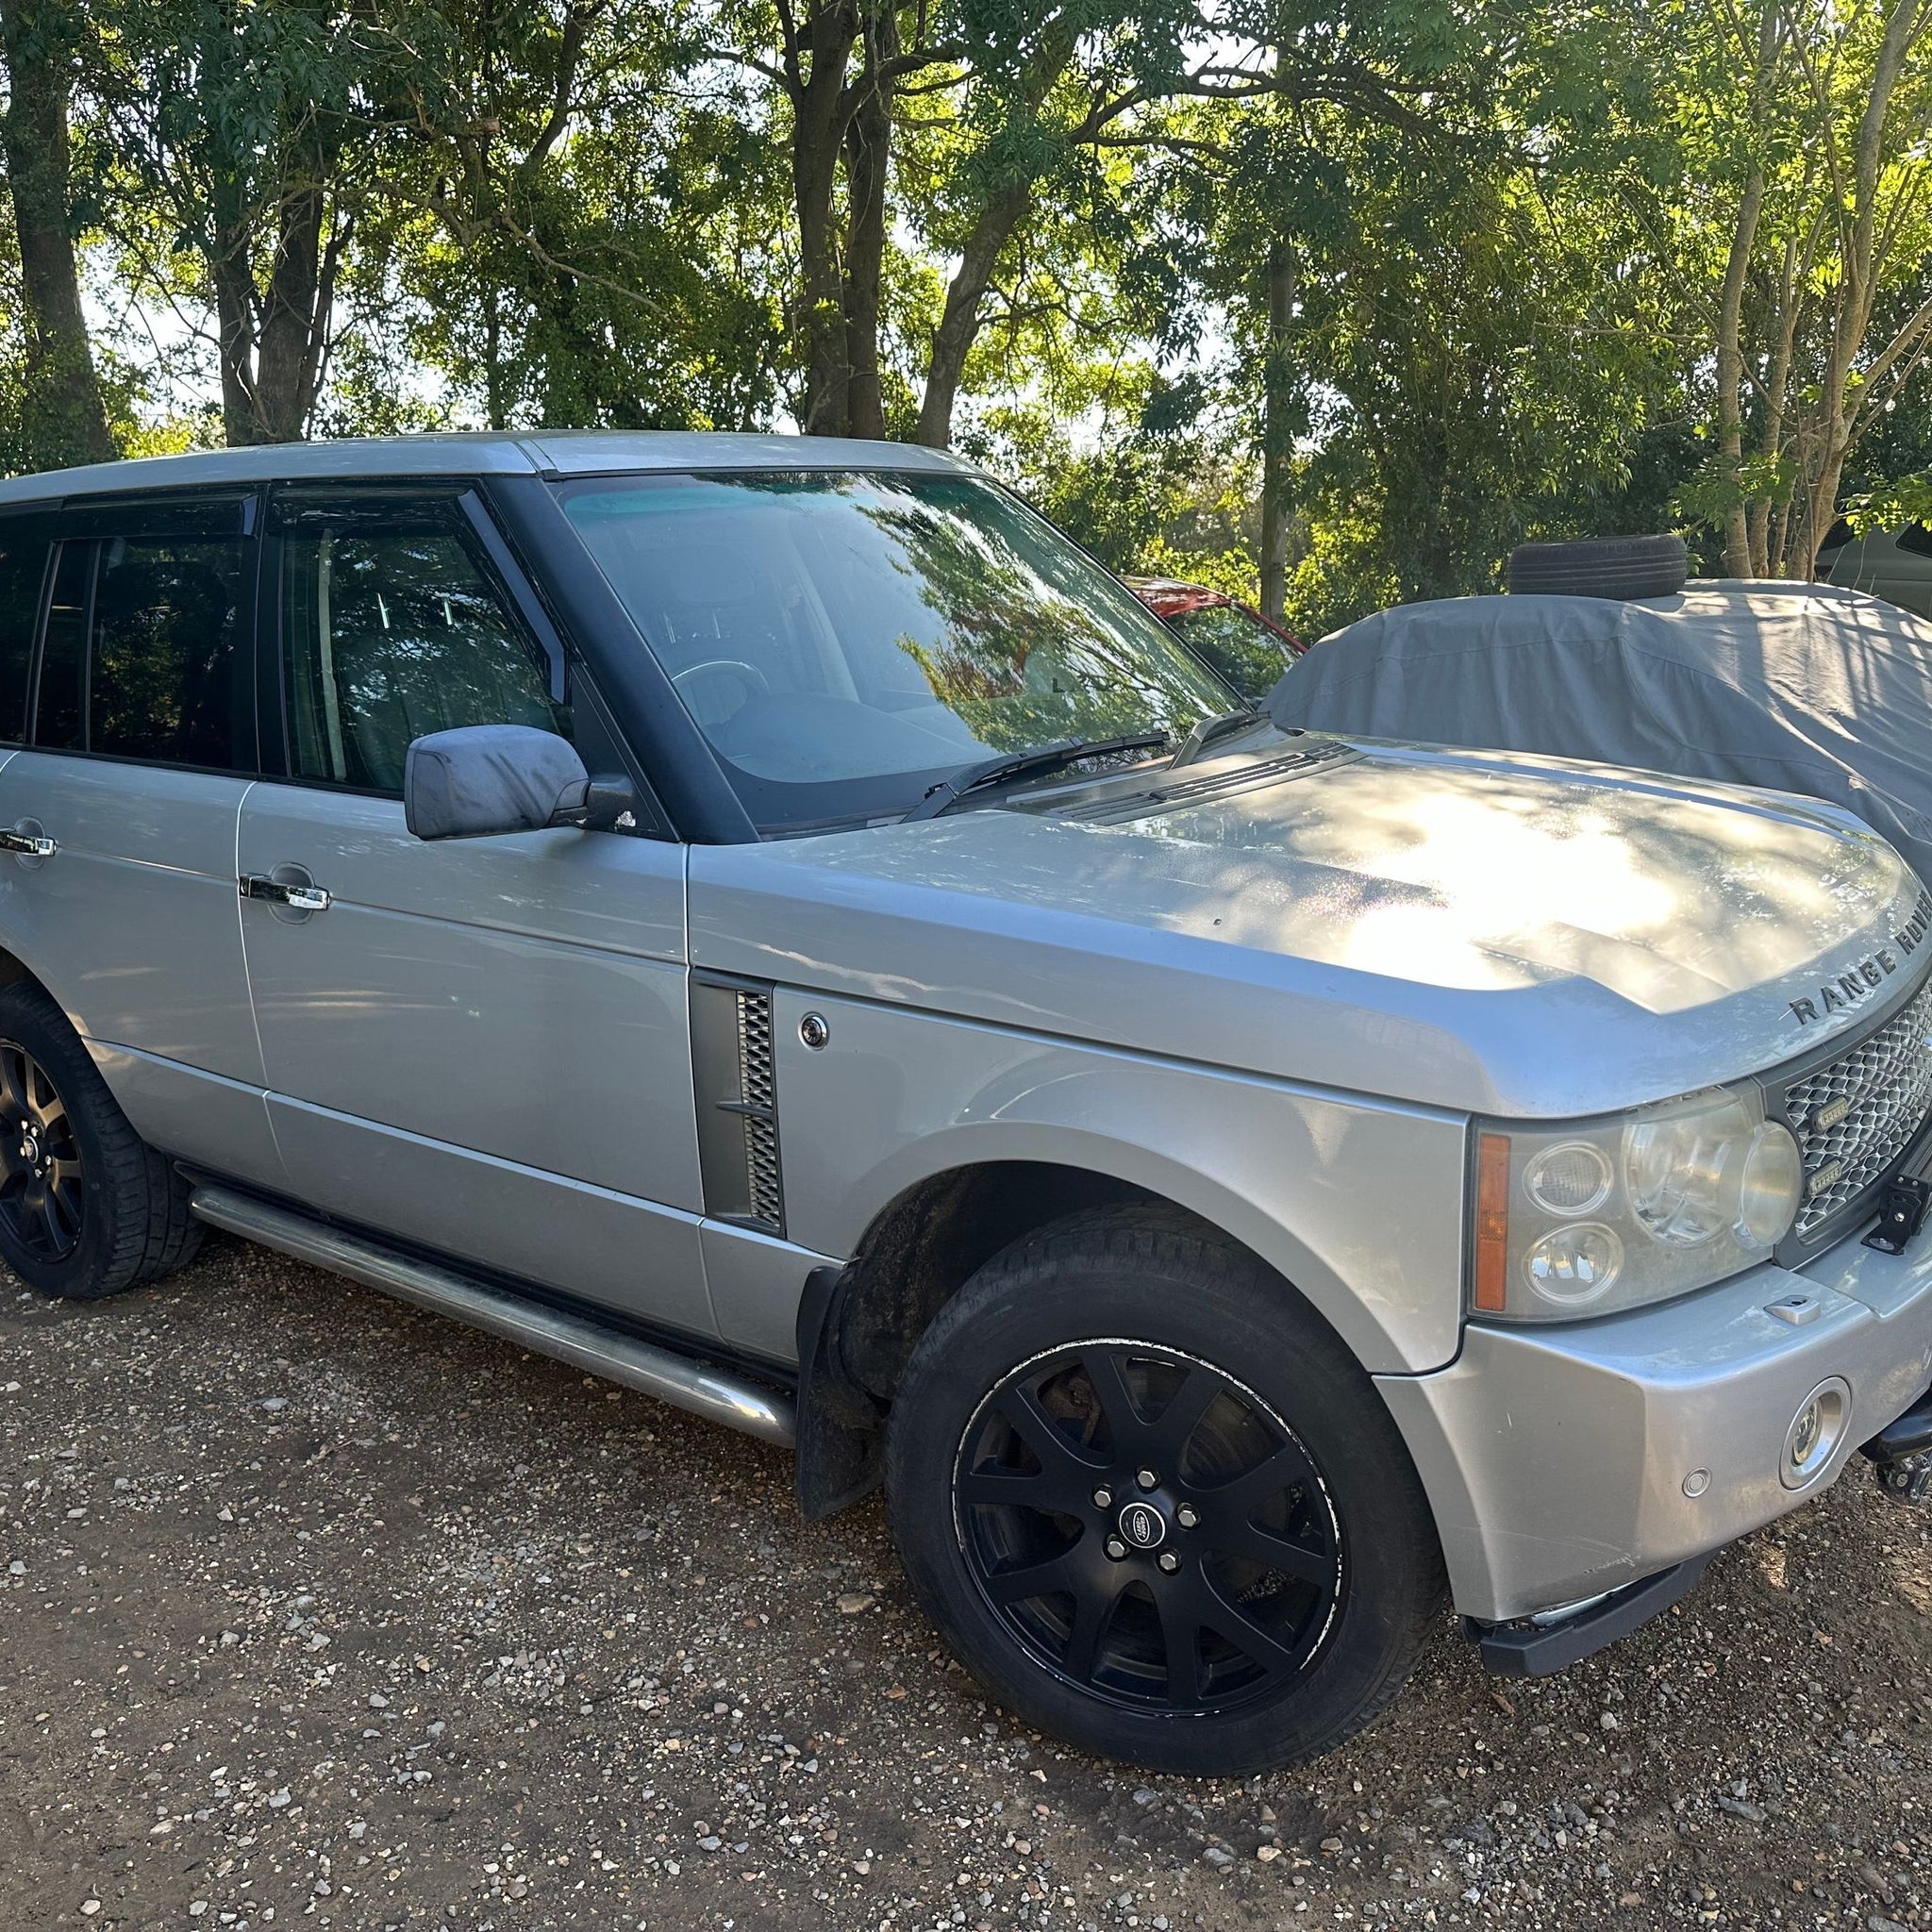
{"x":1871,"y":971}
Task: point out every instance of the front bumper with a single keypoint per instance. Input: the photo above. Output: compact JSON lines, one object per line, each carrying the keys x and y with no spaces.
{"x":1565,"y":1462}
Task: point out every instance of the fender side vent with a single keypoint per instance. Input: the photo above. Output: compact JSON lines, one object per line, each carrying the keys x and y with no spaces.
{"x":736,"y":1073}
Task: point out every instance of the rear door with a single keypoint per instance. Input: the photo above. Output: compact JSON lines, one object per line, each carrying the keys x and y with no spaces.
{"x":480,"y":1046}
{"x":140,"y":745}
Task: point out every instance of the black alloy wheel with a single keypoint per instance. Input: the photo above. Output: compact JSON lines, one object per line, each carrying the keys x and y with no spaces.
{"x":87,"y":1208}
{"x":1153,"y":1504}
{"x":43,"y":1187}
{"x":1148,"y":1528}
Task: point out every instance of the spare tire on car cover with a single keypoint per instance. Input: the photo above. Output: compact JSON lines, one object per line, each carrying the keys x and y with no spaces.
{"x":1600,"y":567}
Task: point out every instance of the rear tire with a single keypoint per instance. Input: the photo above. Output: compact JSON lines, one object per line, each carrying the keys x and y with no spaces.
{"x":1260,"y":1599}
{"x":87,"y":1208}
{"x":1615,"y":567}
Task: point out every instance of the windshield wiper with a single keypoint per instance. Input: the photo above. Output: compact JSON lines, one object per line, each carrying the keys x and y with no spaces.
{"x":1211,"y":731}
{"x":998,"y":770}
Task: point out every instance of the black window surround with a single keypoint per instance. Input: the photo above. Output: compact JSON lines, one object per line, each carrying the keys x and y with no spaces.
{"x":82,"y":525}
{"x":628,"y":715}
{"x":573,"y":671}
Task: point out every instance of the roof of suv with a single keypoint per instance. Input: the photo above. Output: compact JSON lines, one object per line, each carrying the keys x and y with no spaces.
{"x":569,"y":452}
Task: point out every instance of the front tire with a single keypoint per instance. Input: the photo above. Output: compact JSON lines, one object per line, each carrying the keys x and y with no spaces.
{"x":1155,"y":1506}
{"x":87,"y":1208}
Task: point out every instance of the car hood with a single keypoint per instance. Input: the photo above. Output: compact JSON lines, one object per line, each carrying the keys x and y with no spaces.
{"x":1512,"y":935}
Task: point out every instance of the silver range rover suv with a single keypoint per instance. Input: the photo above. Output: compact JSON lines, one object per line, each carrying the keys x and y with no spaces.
{"x":771,"y":923}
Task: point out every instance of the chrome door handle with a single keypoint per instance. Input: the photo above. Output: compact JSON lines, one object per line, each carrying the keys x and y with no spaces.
{"x":28,"y":845}
{"x":296,"y":898}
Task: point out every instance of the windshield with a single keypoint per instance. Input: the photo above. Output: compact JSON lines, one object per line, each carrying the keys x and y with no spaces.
{"x":845,"y":640}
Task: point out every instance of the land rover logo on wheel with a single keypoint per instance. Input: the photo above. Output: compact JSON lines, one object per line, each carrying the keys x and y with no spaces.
{"x":1143,"y":1526}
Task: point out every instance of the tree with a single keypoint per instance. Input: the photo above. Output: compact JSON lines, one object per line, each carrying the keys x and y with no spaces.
{"x":1793,"y":133}
{"x":64,"y":419}
{"x":242,"y":144}
{"x":576,"y":235}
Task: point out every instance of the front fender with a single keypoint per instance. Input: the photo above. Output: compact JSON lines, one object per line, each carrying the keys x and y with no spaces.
{"x":1358,"y":1204}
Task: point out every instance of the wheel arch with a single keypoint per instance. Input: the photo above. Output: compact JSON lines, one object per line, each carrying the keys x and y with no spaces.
{"x":858,"y":1324}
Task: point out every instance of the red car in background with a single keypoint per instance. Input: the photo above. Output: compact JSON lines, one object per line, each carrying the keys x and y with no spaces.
{"x":1245,"y":647}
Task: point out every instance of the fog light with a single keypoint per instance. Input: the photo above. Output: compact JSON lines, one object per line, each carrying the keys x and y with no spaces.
{"x":1815,"y":1434}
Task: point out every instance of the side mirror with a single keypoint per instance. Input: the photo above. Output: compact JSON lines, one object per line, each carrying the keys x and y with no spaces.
{"x":485,"y":780}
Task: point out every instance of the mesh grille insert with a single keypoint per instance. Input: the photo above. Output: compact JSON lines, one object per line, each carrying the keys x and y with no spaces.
{"x":758,"y":1095}
{"x":1856,"y":1114}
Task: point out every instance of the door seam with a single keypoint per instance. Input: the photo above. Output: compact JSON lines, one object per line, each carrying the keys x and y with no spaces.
{"x":268,"y":1113}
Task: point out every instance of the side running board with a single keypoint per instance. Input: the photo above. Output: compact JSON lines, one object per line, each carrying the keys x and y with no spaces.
{"x":714,"y":1394}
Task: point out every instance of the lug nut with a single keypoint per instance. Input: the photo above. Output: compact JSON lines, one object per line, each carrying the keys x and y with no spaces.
{"x":1168,"y":1561}
{"x":1115,"y":1548}
{"x":1147,"y":1479}
{"x":1103,"y":1497}
{"x":1186,"y":1516}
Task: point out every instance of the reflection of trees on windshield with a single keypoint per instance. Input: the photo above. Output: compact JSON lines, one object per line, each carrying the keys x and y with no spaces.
{"x":1017,"y":661}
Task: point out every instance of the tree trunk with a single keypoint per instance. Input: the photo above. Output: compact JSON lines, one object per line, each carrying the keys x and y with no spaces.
{"x":953,"y":341}
{"x":294,"y":320}
{"x":67,"y":420}
{"x":1277,"y":432}
{"x":235,"y":331}
{"x":819,"y":109}
{"x":1730,"y":365}
{"x":993,"y":229}
{"x":868,"y":157}
{"x":1905,"y":27}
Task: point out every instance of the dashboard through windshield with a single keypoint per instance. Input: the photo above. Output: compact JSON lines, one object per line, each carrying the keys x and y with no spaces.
{"x":845,"y":640}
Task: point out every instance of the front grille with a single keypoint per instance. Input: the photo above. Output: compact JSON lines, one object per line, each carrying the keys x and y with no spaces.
{"x":1855,"y":1115}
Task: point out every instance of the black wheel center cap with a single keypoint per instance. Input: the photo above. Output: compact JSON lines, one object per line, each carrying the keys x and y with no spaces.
{"x":1143,"y":1526}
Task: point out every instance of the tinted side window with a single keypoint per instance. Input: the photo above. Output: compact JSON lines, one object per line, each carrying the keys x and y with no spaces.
{"x":22,"y":567}
{"x":61,"y":711}
{"x":1916,"y":538}
{"x":390,"y":635}
{"x":171,"y":677}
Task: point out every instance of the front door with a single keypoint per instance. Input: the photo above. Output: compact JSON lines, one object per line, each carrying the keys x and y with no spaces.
{"x":480,"y":1046}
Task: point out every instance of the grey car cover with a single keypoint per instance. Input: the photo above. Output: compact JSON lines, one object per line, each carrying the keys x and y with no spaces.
{"x":1796,"y":687}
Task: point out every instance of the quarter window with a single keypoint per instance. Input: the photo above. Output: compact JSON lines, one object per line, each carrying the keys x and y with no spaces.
{"x":169,"y":678}
{"x":145,"y":656}
{"x":390,"y":635}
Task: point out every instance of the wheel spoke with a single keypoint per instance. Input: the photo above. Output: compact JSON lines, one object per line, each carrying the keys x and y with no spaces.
{"x":1228,"y":1619}
{"x":1180,"y":1637}
{"x":66,"y":1197}
{"x":13,"y":1080}
{"x":1053,"y":1488}
{"x":1183,"y":1413}
{"x":1019,"y":1407}
{"x":1284,"y":1469}
{"x":1306,"y":1561}
{"x":1109,"y":1385}
{"x":1093,"y":1612}
{"x":1025,"y":1581}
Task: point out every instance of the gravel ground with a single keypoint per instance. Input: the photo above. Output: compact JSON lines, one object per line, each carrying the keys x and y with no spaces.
{"x":315,"y":1611}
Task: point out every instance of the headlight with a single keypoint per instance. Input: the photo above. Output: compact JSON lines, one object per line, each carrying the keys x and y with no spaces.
{"x":1607,"y":1214}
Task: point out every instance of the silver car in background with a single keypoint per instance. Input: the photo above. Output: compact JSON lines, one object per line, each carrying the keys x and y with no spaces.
{"x":773,"y":924}
{"x":1893,"y":564}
